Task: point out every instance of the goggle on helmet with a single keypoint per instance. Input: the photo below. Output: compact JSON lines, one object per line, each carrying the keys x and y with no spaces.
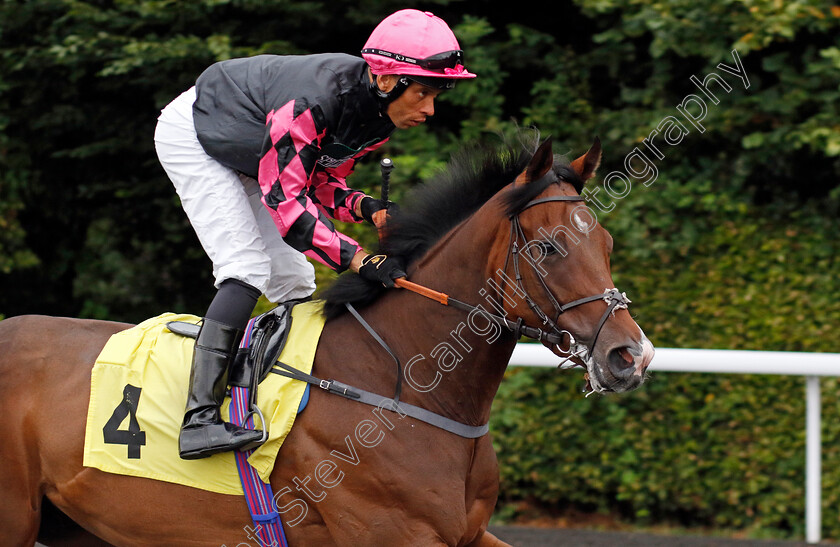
{"x":418,"y":46}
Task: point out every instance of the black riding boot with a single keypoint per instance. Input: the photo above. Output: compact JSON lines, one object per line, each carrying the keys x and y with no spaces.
{"x":203,"y":432}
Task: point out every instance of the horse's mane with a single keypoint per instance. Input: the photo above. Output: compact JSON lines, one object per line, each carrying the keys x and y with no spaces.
{"x":474,"y":174}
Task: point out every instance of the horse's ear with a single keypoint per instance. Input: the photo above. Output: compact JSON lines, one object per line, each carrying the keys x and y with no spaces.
{"x":540,"y":163}
{"x":586,"y":165}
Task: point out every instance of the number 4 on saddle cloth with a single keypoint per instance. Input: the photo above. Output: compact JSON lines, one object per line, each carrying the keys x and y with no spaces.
{"x":139,"y":391}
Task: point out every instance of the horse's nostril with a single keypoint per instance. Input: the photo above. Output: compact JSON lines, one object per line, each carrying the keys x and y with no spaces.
{"x":626,"y":355}
{"x":621,"y":359}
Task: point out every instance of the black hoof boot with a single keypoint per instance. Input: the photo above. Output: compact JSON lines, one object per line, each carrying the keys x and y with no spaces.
{"x":203,"y":432}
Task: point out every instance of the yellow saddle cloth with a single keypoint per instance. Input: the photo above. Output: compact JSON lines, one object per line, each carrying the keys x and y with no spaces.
{"x":139,"y":391}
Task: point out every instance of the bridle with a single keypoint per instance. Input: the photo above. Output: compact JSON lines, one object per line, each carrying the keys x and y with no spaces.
{"x":553,"y":336}
{"x":613,"y":297}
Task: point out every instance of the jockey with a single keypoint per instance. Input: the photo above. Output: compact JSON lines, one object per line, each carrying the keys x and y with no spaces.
{"x":258,"y":151}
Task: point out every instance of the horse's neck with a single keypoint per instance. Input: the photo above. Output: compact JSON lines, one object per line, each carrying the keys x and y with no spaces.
{"x":453,"y":361}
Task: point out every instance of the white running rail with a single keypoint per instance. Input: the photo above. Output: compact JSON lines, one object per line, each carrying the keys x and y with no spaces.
{"x":810,"y":365}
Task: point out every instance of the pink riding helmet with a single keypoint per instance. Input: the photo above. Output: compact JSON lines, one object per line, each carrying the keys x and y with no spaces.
{"x":415,"y":43}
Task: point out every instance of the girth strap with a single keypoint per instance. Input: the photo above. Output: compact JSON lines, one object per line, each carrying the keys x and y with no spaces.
{"x":442,"y":422}
{"x":373,"y":399}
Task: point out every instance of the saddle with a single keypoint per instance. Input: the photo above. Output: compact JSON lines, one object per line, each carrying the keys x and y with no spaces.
{"x":258,"y":352}
{"x":268,"y":338}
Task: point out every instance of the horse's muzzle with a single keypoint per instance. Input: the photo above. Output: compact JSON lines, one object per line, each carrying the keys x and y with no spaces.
{"x":623,"y":368}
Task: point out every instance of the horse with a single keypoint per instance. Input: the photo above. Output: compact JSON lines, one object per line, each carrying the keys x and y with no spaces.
{"x":505,"y":231}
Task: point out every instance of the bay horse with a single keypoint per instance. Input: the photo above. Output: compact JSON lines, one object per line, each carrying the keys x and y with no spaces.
{"x":505,"y":232}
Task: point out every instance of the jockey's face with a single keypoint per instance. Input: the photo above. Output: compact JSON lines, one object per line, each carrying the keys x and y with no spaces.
{"x":412,"y":107}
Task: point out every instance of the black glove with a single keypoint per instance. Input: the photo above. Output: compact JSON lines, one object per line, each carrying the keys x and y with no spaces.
{"x":382,"y":269}
{"x":369,"y":206}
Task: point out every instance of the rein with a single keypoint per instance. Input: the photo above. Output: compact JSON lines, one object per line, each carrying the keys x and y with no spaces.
{"x":612,"y":297}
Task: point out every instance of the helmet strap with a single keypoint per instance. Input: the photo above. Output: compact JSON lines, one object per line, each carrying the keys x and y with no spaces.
{"x":384,"y":98}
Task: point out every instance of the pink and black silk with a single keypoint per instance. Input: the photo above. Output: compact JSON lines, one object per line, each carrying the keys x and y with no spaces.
{"x":297,"y":124}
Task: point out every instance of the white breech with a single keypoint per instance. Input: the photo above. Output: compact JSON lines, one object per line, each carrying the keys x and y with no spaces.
{"x":233,"y":225}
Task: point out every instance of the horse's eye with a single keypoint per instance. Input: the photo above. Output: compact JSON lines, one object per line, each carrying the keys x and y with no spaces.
{"x":547,"y":248}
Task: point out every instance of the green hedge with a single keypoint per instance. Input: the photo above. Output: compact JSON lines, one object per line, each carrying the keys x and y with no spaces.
{"x":722,"y":451}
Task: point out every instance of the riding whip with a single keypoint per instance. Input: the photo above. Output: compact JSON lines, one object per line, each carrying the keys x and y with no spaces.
{"x":385,"y":166}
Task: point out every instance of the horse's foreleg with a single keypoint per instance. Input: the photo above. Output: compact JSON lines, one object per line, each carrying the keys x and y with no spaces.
{"x":482,"y":491}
